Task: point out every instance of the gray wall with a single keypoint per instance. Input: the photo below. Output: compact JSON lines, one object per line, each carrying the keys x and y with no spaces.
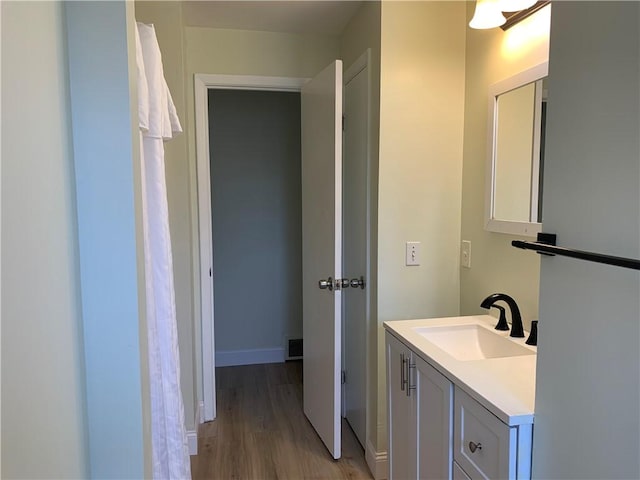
{"x":256,"y":210}
{"x":588,"y":379}
{"x":102,"y":82}
{"x":43,"y":406}
{"x":73,"y":363}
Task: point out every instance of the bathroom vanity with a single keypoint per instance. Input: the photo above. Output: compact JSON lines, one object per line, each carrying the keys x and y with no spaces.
{"x":460,"y":400}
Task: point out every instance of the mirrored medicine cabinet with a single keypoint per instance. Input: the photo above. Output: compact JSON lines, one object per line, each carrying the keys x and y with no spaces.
{"x":515,"y":157}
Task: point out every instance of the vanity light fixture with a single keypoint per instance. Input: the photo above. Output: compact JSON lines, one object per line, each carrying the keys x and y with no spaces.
{"x":488,"y":13}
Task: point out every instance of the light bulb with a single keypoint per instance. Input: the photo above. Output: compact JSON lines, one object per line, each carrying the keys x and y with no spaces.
{"x":487,"y":15}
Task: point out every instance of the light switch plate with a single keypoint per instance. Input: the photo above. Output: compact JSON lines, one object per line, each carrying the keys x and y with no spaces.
{"x":465,"y":254}
{"x":412,"y":253}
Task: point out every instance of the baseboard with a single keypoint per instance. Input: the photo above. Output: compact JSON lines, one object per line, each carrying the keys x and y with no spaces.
{"x":377,"y":462}
{"x":192,"y":435}
{"x":200,"y":413}
{"x":192,"y":441}
{"x":249,"y":357}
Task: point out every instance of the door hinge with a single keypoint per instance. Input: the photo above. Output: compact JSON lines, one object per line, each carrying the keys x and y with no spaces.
{"x":343,"y":123}
{"x":209,"y":272}
{"x":344,"y":377}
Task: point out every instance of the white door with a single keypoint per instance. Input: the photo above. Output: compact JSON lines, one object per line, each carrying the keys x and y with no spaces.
{"x":354,"y":195}
{"x":321,"y":100}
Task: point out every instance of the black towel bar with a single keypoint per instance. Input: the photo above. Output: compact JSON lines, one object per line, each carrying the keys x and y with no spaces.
{"x":546,"y":245}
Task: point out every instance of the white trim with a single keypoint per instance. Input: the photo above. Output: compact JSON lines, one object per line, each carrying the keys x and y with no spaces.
{"x":356,"y":67}
{"x":202,"y":83}
{"x":368,"y":360}
{"x":337,"y":294}
{"x":192,"y":441}
{"x":377,"y":462}
{"x":251,"y":82}
{"x":535,"y":160}
{"x":206,"y":248}
{"x":525,"y":229}
{"x":200,"y":413}
{"x":231,"y":358}
{"x":192,"y":435}
{"x":529,"y":229}
{"x":363,"y":62}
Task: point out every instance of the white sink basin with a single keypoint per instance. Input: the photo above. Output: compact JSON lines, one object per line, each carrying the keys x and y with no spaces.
{"x":472,"y":342}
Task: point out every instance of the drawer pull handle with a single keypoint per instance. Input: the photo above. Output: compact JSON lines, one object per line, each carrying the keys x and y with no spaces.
{"x":474,"y":446}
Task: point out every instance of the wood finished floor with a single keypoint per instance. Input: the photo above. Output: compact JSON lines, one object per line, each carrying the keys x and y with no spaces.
{"x":261,"y":431}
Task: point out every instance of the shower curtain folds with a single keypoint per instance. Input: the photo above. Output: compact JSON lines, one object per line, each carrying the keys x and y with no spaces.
{"x":158,"y":122}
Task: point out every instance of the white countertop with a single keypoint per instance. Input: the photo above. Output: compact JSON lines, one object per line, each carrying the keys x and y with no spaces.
{"x":505,"y":386}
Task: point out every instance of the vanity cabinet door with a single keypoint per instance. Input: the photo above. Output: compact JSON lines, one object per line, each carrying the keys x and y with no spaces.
{"x":434,"y":420}
{"x":458,"y":473}
{"x":401,"y":412}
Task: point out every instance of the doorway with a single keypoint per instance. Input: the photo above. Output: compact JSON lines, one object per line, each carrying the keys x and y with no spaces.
{"x":203,"y":84}
{"x":254,"y":144}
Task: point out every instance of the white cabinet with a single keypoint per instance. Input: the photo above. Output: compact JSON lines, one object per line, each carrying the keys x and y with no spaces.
{"x":458,"y":473}
{"x":438,"y":431}
{"x":434,"y":397}
{"x":419,"y":407}
{"x":483,"y":446}
{"x":401,"y":413}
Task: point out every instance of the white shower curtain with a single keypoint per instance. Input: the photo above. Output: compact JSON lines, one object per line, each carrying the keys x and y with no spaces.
{"x":158,"y":122}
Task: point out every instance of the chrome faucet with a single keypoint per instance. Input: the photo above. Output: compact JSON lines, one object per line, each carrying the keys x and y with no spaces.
{"x":516,"y":318}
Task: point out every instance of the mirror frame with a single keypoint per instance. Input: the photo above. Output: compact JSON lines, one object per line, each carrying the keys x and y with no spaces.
{"x":491,"y":224}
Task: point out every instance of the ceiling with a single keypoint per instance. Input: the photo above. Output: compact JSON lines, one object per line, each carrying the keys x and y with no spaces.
{"x":306,"y":16}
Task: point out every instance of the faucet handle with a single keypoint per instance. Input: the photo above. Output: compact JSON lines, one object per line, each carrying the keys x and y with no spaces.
{"x":533,"y":335}
{"x":502,"y":321}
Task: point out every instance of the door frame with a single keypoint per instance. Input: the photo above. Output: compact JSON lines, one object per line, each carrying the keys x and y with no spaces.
{"x":363,"y":62}
{"x":202,"y":84}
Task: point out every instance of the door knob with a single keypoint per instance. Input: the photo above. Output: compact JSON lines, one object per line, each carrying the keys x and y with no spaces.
{"x":475,"y":446}
{"x":326,"y":284}
{"x":357,"y":282}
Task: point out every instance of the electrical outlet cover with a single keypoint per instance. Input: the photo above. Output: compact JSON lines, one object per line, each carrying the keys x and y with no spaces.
{"x":412,"y":254}
{"x":465,"y":254}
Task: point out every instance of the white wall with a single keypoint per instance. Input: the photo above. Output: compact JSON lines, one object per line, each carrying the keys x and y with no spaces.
{"x":493,"y":55}
{"x":420,"y":167}
{"x":588,"y":378}
{"x":43,"y":406}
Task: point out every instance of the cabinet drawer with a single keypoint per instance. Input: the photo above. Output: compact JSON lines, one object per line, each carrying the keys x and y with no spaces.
{"x":493,"y":442}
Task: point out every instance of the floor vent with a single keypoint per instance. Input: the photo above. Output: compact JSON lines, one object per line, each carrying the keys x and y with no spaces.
{"x":294,"y":349}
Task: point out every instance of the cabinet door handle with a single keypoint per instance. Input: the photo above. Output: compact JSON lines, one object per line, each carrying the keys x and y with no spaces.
{"x":474,"y":446}
{"x":402,"y":380}
{"x":409,"y":386}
